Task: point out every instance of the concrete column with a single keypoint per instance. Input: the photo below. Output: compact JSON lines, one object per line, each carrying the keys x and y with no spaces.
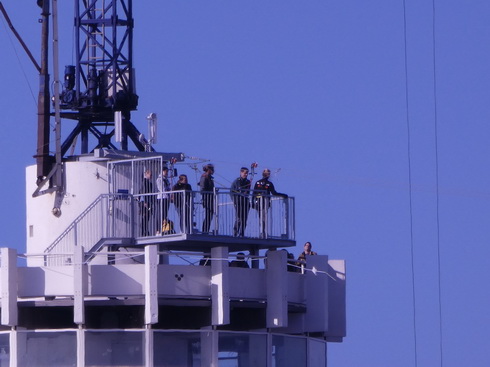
{"x":149,"y":346}
{"x":151,"y":284}
{"x":317,"y":301}
{"x":209,"y":348}
{"x":9,"y":286}
{"x":220,"y":299}
{"x":80,"y":279}
{"x":80,"y":346}
{"x":277,"y":289}
{"x":14,"y":348}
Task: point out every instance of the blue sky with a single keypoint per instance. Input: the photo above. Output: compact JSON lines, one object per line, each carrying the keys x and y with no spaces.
{"x":316,"y":91}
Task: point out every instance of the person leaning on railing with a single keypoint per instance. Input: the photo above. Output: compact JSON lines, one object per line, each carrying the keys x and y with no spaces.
{"x":261,"y":200}
{"x":307,"y":251}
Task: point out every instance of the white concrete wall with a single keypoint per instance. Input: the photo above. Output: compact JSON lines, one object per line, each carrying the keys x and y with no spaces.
{"x":85,"y":181}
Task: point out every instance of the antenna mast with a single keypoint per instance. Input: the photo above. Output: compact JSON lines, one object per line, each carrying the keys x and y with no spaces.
{"x":99,"y":86}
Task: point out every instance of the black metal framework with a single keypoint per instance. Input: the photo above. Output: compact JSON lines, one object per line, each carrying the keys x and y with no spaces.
{"x":102,"y":81}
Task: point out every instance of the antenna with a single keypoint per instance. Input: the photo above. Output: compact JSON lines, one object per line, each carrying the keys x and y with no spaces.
{"x":152,"y":127}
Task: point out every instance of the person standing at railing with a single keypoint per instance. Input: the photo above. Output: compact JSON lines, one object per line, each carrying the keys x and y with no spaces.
{"x":163,"y":198}
{"x":183,"y":203}
{"x":263,"y":191}
{"x":307,"y":251}
{"x":147,"y":203}
{"x":240,"y":191}
{"x":206,"y":185}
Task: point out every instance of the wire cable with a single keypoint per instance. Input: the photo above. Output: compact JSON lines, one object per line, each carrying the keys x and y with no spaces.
{"x":410,"y":199}
{"x":19,"y":61}
{"x":436,"y":138}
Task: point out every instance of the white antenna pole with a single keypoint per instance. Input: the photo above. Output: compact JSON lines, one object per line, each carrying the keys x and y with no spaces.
{"x":118,"y":126}
{"x":152,"y":127}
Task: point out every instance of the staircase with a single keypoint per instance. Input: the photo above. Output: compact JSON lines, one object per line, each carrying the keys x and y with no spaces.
{"x":108,"y":221}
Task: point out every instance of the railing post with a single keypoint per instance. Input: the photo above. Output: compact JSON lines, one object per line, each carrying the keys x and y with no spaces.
{"x":286,"y":216}
{"x":132,"y":223}
{"x":216,"y":208}
{"x":191,"y":213}
{"x":80,"y":279}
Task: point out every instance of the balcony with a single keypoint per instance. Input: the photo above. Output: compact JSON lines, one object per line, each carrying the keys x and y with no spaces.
{"x":178,"y":220}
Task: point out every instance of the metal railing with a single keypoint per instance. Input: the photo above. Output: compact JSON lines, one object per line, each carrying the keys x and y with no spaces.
{"x":113,"y":217}
{"x":217,"y":213}
{"x":110,"y":216}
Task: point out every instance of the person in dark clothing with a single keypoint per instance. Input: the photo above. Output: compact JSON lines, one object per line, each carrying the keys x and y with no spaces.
{"x":240,"y":191}
{"x":163,"y":198}
{"x":183,"y":203}
{"x":292,"y":267}
{"x":307,"y":251}
{"x":147,"y":203}
{"x":263,"y":191}
{"x":240,"y":261}
{"x":206,"y":185}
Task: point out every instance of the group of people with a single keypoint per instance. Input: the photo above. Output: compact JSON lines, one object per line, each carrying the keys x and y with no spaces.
{"x":261,"y":200}
{"x":155,"y":208}
{"x":293,"y":265}
{"x":158,"y":205}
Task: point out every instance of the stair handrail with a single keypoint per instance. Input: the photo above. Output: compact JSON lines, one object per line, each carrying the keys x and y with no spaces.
{"x":80,"y":217}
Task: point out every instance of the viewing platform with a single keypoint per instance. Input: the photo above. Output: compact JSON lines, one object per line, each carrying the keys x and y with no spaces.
{"x":120,"y":220}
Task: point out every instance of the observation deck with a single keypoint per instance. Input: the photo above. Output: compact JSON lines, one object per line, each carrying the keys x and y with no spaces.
{"x":127,"y":214}
{"x":124,"y":271}
{"x":119,"y":220}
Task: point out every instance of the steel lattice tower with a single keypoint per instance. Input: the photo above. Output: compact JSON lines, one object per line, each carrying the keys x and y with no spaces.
{"x":102,"y":81}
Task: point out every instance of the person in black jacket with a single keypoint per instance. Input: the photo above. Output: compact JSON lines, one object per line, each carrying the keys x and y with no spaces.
{"x":206,"y":185}
{"x":240,"y":191}
{"x":147,"y":204}
{"x":183,"y":203}
{"x":263,"y":191}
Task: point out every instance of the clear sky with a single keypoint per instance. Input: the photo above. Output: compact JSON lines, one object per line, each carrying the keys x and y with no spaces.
{"x":316,"y":91}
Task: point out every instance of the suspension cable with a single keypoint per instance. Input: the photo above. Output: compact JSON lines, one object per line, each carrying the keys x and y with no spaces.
{"x":436,"y":138}
{"x":410,"y":200}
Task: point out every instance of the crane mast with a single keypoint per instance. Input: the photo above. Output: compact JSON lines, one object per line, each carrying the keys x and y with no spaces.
{"x":100,"y":86}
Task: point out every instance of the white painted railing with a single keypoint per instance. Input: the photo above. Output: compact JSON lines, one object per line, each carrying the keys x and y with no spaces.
{"x":115,"y":219}
{"x":110,"y":216}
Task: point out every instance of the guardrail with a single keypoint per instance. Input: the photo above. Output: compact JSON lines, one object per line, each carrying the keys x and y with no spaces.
{"x":218,"y":213}
{"x":112,"y":218}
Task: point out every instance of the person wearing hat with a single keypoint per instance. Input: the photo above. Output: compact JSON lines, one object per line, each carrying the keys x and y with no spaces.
{"x":206,"y":185}
{"x":263,"y":191}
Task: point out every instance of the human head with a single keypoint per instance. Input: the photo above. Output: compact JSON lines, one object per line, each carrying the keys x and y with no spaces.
{"x":208,"y":168}
{"x":307,"y":247}
{"x":147,"y":173}
{"x":243,"y":172}
{"x":164,"y":171}
{"x":183,"y":178}
{"x":266,"y":173}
